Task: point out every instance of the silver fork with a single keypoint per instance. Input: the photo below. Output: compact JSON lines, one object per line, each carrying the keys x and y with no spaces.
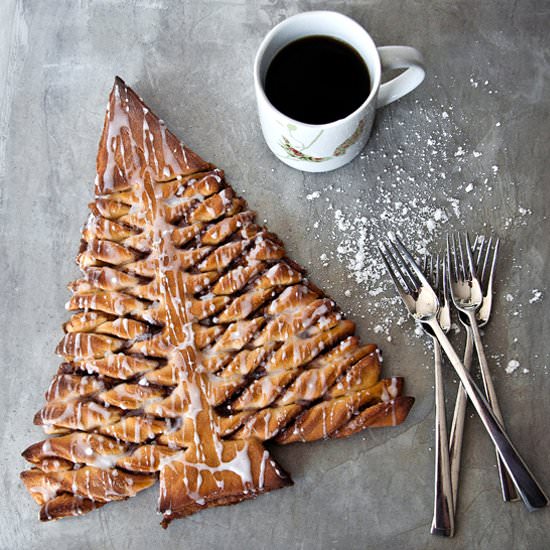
{"x":443,"y":517}
{"x":423,"y":305}
{"x":468,"y":298}
{"x":485,"y":253}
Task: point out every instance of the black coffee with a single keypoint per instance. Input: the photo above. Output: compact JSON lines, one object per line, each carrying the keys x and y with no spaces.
{"x":317,"y":79}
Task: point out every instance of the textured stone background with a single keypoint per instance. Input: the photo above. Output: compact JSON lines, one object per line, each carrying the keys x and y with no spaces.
{"x":192,"y":62}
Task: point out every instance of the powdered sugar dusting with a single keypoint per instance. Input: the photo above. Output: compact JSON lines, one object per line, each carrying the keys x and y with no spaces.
{"x":420,"y":193}
{"x":417,"y":189}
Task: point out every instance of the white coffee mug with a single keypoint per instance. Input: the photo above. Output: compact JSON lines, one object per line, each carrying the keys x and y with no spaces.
{"x":324,"y":147}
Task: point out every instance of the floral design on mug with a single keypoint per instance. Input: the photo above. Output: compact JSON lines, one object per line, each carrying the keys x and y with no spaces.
{"x":343,"y":147}
{"x":297,"y":151}
{"x":291,"y":151}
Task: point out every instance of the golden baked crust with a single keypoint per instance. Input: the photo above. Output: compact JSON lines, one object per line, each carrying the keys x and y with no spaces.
{"x":193,"y":339}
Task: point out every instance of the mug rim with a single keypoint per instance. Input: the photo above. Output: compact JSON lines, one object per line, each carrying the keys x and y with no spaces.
{"x":303,"y":15}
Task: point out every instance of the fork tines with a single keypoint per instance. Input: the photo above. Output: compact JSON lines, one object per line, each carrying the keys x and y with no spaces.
{"x":401,"y":266}
{"x":433,"y":269}
{"x":486,"y":252}
{"x":460,"y":260}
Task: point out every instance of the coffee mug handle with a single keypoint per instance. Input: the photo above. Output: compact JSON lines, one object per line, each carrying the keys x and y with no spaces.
{"x":400,"y":57}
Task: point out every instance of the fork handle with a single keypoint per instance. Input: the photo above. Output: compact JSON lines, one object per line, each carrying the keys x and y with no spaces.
{"x":507,"y":487}
{"x":459,"y":416}
{"x":526,"y":484}
{"x":443,"y":518}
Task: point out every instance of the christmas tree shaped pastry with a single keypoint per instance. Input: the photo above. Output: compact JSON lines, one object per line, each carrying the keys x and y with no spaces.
{"x":193,"y":339}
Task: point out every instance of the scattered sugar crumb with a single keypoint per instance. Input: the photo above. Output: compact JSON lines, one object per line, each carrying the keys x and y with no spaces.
{"x":314,"y":195}
{"x":536,"y":296}
{"x":455,"y":204}
{"x":512,"y":366}
{"x":469,"y":188}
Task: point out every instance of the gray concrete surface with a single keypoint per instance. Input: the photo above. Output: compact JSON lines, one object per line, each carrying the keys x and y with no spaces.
{"x":192,"y":61}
